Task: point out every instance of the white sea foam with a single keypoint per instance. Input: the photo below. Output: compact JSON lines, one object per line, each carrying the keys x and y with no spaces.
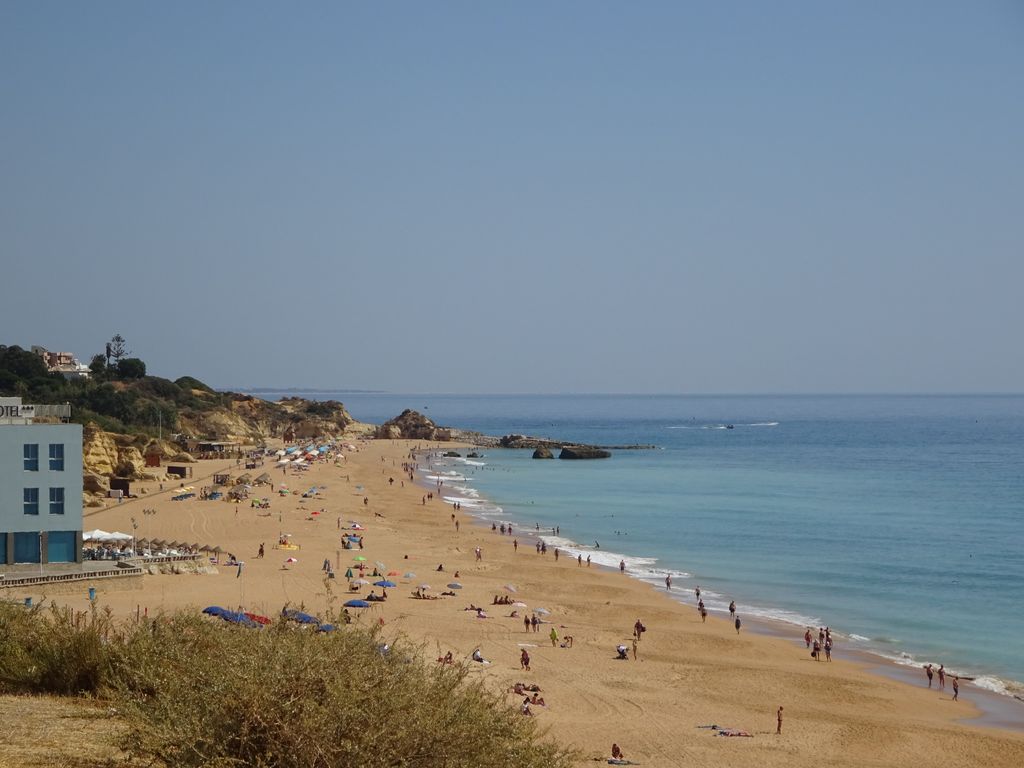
{"x":472,"y":463}
{"x":447,"y":477}
{"x":859,"y":638}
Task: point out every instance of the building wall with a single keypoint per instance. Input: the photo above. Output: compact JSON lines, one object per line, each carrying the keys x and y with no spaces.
{"x":14,"y":479}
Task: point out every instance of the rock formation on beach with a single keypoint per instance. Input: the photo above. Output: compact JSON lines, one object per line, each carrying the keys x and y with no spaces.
{"x":583,"y":452}
{"x":412,"y":425}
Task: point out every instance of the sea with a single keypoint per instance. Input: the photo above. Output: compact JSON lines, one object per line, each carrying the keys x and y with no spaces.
{"x":898,"y":521}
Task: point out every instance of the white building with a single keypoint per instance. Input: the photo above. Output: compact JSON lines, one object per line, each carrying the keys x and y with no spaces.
{"x":40,"y":485}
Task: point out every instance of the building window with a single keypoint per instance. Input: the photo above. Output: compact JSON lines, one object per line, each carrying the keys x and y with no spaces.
{"x":31,"y":497}
{"x":56,"y":501}
{"x":57,"y":457}
{"x":31,"y":457}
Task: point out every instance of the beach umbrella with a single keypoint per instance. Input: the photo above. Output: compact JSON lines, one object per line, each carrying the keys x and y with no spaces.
{"x":359,"y":582}
{"x":357,"y":604}
{"x":455,"y":585}
{"x":95,"y":535}
{"x":292,"y":560}
{"x":299,"y":616}
{"x":424,"y":586}
{"x":348,"y":573}
{"x":509,"y":588}
{"x":384,"y":583}
{"x":359,"y":559}
{"x":542,"y":611}
{"x":519,"y":605}
{"x":409,"y":575}
{"x":381,"y":565}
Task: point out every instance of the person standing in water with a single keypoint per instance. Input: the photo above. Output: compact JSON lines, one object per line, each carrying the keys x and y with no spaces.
{"x":732,"y":609}
{"x":956,"y":688}
{"x":668,"y":581}
{"x":942,"y":677}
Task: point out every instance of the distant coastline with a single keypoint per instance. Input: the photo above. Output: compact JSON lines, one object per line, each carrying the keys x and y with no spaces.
{"x":302,"y":390}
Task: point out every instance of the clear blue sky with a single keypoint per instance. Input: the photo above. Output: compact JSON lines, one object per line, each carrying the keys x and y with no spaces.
{"x":521,"y":197}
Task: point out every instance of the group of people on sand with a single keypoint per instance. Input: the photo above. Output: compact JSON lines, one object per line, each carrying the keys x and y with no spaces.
{"x":931,"y":672}
{"x":822,"y":644}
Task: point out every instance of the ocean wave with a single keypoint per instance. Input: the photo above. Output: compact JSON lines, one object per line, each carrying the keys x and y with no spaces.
{"x":472,"y":463}
{"x":447,"y":477}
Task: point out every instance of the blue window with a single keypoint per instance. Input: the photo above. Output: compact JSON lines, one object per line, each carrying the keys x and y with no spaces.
{"x":56,"y":501}
{"x":61,"y":546}
{"x":26,"y":547}
{"x":3,"y":548}
{"x":31,"y":497}
{"x":31,"y":457}
{"x":57,"y":457}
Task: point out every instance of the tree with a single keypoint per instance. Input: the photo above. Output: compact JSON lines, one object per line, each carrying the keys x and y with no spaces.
{"x":130,"y":368}
{"x":98,"y":367}
{"x":117,"y":348}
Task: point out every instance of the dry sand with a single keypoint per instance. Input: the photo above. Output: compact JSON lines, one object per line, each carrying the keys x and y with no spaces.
{"x":688,"y":674}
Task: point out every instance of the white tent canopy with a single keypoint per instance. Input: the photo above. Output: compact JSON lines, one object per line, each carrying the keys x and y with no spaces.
{"x":103,"y":536}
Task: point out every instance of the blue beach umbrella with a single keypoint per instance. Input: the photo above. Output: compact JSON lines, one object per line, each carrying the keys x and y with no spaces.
{"x":357,"y":604}
{"x":384,"y":583}
{"x":455,"y":585}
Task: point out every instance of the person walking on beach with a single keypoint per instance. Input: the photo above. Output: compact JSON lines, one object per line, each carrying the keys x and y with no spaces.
{"x":697,"y":592}
{"x":556,"y":554}
{"x":828,"y":649}
{"x":816,"y":653}
{"x":738,"y":623}
{"x":928,"y":671}
{"x":634,"y":649}
{"x":942,"y":677}
{"x":588,"y":561}
{"x":622,"y":566}
{"x":479,"y":554}
{"x":524,"y":660}
{"x":579,"y":561}
{"x":807,"y":637}
{"x":956,"y":688}
{"x":515,"y":544}
{"x":732,"y":609}
{"x":554,"y":637}
{"x":778,"y":719}
{"x":668,"y":581}
{"x":703,"y":615}
{"x":526,"y":623}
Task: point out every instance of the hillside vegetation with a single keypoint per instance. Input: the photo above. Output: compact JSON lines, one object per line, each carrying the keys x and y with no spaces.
{"x":121,"y":398}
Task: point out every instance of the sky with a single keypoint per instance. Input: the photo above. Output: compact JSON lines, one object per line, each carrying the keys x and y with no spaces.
{"x":671,"y":197}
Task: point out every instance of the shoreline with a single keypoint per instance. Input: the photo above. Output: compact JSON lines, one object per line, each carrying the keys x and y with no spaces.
{"x":1003,"y":710}
{"x":687,"y":674}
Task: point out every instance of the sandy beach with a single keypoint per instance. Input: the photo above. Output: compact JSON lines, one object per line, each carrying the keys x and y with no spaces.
{"x":687,"y":675}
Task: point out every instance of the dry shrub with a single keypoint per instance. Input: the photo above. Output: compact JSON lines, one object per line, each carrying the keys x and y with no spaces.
{"x":197,"y":693}
{"x":52,"y":650}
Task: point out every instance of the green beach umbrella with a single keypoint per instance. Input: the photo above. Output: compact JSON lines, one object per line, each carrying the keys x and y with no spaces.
{"x":360,"y":559}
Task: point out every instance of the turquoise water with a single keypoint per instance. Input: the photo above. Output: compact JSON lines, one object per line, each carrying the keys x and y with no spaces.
{"x":898,"y":521}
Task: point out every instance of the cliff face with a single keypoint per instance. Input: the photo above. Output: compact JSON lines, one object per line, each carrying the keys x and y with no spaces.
{"x":109,"y":454}
{"x":243,"y":418}
{"x":248,"y":419}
